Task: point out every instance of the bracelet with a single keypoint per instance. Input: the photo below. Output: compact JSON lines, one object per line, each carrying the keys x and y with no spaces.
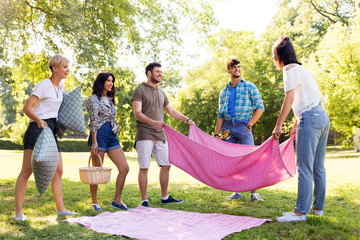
{"x":187,"y":120}
{"x":248,"y":125}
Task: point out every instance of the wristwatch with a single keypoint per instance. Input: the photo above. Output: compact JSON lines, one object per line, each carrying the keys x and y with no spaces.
{"x":248,"y":125}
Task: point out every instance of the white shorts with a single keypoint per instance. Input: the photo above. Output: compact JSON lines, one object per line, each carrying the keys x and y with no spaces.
{"x":159,"y":149}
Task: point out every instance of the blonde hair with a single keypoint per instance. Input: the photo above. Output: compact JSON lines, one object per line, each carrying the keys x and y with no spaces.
{"x":58,"y":60}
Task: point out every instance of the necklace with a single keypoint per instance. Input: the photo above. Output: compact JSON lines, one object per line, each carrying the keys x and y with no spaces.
{"x":56,"y":91}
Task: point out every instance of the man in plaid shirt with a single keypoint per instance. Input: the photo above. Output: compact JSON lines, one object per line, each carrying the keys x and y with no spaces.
{"x":240,"y":106}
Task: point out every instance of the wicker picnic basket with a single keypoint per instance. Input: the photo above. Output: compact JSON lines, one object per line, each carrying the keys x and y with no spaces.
{"x":95,"y":175}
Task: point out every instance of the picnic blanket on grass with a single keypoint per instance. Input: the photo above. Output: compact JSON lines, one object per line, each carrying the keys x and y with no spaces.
{"x":163,"y":224}
{"x":228,"y":166}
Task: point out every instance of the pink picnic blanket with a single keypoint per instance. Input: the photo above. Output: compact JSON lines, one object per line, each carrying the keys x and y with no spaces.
{"x":158,"y":223}
{"x":228,"y":166}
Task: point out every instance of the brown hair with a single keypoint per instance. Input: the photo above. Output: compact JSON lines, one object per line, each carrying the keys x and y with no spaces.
{"x":151,"y":66}
{"x":284,"y":52}
{"x":232,"y":63}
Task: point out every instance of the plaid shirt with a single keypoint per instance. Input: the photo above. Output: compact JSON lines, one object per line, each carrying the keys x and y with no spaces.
{"x":248,"y":99}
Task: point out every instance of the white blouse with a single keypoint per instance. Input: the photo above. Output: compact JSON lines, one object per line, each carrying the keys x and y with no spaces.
{"x":307,"y":92}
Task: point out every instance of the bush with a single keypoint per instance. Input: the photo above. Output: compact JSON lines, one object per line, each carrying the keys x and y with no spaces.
{"x":6,"y":143}
{"x":73,"y":145}
{"x":66,"y":145}
{"x":127,"y":146}
{"x":7,"y":130}
{"x":80,"y":145}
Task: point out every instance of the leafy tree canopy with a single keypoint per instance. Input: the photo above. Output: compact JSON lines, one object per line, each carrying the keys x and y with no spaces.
{"x":94,"y":34}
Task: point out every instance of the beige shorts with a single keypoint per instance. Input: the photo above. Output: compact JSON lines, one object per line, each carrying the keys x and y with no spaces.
{"x":159,"y":149}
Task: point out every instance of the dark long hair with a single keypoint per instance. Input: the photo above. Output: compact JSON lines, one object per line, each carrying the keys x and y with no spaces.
{"x":284,"y":52}
{"x":98,"y":86}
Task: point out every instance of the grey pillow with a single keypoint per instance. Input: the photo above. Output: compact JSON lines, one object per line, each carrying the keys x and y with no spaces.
{"x":71,"y":113}
{"x":44,"y":159}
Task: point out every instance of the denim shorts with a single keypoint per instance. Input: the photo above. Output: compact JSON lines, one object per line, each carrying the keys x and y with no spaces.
{"x":105,"y":138}
{"x":238,"y":133}
{"x":33,"y":131}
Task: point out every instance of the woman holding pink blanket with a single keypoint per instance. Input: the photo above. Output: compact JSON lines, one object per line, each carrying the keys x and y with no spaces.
{"x":311,"y":127}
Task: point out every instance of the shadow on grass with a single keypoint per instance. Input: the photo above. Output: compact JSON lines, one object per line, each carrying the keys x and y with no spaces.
{"x":341,"y":220}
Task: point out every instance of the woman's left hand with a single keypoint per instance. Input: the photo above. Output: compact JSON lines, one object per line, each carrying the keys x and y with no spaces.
{"x":293,"y":131}
{"x":191,"y":122}
{"x":277,"y":132}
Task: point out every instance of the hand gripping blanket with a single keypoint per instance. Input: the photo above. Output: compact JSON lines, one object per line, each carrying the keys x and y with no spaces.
{"x":228,"y":166}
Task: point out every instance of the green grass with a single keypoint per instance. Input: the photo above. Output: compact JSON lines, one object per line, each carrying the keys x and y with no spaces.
{"x":341,"y":220}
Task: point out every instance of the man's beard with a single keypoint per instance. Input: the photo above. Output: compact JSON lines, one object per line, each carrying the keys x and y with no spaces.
{"x":236,"y":75}
{"x":154,"y":80}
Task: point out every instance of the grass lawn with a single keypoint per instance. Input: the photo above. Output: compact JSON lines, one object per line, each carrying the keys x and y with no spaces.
{"x":341,"y":220}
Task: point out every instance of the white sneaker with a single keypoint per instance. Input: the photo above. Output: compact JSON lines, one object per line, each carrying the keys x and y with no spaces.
{"x":255,"y":197}
{"x":67,"y":213}
{"x":291,"y":217}
{"x":318,"y":212}
{"x":21,"y":218}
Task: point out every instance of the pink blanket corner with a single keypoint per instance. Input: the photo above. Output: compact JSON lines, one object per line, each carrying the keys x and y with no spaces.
{"x":163,"y":224}
{"x":228,"y":166}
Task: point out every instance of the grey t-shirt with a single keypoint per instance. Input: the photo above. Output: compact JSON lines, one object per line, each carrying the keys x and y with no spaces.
{"x":153,"y":102}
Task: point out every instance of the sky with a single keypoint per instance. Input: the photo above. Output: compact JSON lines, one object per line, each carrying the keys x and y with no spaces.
{"x":237,"y":15}
{"x":250,"y":15}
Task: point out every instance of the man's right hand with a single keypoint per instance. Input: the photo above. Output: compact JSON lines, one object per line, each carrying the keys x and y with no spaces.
{"x":217,"y":136}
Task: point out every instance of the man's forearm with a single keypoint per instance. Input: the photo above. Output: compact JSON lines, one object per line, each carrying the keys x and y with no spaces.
{"x":255,"y":117}
{"x":219,"y":124}
{"x":178,"y":116}
{"x":143,"y":118}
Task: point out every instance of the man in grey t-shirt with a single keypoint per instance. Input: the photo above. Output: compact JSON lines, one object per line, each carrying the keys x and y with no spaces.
{"x":149,"y":102}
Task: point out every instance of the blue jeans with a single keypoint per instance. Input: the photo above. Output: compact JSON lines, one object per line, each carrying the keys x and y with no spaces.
{"x":311,"y":137}
{"x":105,"y":138}
{"x":238,"y":133}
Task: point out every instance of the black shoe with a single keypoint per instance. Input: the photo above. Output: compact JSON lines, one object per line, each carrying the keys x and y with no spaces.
{"x":145,"y":204}
{"x":172,"y":200}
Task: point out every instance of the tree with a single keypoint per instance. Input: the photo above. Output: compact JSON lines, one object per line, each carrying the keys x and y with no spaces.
{"x":325,"y":35}
{"x":336,"y":65}
{"x":97,"y":31}
{"x":199,"y":100}
{"x":332,"y":11}
{"x":7,"y":110}
{"x":93,"y":34}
